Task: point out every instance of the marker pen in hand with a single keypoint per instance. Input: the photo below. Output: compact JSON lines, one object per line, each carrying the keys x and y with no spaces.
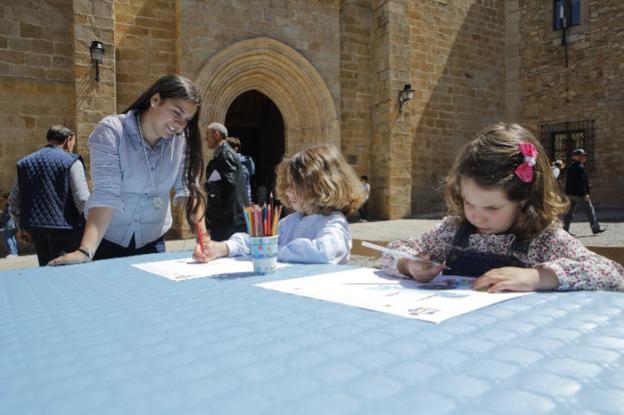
{"x":200,"y":236}
{"x":398,"y":254}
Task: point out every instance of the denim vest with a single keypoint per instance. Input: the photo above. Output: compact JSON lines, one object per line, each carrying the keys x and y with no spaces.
{"x":46,"y":200}
{"x":467,"y":262}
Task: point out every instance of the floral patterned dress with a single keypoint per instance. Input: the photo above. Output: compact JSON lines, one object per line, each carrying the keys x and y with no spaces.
{"x":577,"y":268}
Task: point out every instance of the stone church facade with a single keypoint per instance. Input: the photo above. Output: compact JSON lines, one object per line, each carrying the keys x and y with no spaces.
{"x":286,"y":73}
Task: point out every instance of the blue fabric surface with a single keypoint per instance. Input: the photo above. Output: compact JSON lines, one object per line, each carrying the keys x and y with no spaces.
{"x":105,"y":338}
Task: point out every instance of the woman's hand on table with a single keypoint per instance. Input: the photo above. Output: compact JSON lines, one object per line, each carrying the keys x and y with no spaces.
{"x":75,"y":257}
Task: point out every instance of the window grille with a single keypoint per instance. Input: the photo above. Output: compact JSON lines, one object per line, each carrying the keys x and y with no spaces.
{"x":560,"y":140}
{"x":566,"y":13}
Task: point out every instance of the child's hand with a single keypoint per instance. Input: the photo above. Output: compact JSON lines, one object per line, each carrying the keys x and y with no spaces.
{"x":517,"y":279}
{"x":212,"y":250}
{"x":421,"y":271}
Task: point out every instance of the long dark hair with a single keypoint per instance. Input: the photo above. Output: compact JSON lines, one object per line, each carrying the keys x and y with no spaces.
{"x":490,"y":159}
{"x":176,"y":86}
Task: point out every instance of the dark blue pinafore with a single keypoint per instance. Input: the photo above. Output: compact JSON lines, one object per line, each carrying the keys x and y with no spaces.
{"x":467,"y":262}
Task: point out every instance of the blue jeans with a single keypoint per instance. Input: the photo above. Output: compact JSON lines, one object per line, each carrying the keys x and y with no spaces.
{"x":10,"y":240}
{"x":590,"y":212}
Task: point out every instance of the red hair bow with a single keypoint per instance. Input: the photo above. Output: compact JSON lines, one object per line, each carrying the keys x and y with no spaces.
{"x":525,"y":170}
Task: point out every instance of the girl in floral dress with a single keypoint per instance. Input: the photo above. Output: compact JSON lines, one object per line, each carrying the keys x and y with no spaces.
{"x":503,"y":224}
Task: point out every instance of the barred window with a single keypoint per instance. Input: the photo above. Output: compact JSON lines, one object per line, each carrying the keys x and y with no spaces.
{"x":566,"y":13}
{"x":560,"y":140}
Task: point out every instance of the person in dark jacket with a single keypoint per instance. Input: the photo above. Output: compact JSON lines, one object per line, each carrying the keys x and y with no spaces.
{"x":577,"y":189}
{"x":48,"y":197}
{"x":225,"y":187}
{"x":249,"y":167}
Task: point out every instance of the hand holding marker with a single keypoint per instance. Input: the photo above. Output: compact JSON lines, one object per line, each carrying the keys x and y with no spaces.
{"x":398,"y":254}
{"x":200,"y":236}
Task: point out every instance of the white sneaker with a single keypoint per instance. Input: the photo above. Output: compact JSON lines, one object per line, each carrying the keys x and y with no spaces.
{"x":11,"y":256}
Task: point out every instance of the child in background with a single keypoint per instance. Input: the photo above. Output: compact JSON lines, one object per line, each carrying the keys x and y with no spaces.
{"x":319,"y":185}
{"x":503,"y":225}
{"x":9,"y":230}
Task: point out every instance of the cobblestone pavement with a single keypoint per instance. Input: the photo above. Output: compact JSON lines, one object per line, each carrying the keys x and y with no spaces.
{"x":384,"y":231}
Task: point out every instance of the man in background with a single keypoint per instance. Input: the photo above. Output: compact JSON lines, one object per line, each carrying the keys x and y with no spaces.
{"x":577,"y":189}
{"x":225,"y":187}
{"x":48,"y":197}
{"x":249,"y":167}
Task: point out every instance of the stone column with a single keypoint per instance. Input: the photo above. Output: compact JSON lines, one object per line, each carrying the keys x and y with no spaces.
{"x":513,"y":94}
{"x":391,"y":137}
{"x":93,"y":20}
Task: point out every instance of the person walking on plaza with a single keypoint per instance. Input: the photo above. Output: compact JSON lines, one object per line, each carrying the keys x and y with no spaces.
{"x":137,"y":158}
{"x":577,"y":189}
{"x":556,"y":168}
{"x":49,"y":195}
{"x":363,"y":210}
{"x":225,"y":187}
{"x":249,"y":167}
{"x":8,"y":228}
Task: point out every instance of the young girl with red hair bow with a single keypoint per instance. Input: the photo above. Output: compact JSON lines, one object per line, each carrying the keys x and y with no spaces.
{"x":503,"y":224}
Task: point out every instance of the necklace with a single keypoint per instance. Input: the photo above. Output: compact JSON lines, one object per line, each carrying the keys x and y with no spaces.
{"x":157,"y":201}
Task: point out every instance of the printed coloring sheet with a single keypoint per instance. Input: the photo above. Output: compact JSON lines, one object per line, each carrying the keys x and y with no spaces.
{"x":187,"y":268}
{"x":443,"y":298}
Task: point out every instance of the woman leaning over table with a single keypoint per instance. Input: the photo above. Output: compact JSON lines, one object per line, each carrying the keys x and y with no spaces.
{"x":136,"y":158}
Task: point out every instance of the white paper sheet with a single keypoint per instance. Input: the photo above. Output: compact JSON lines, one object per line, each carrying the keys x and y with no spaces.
{"x":187,"y":268}
{"x":443,"y":298}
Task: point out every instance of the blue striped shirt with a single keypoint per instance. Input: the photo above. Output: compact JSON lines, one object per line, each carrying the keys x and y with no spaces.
{"x":121,"y":179}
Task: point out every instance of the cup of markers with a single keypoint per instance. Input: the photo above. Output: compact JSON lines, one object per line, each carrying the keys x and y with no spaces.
{"x":262,"y":224}
{"x":264,"y":254}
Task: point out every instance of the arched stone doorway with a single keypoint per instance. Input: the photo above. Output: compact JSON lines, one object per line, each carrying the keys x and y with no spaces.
{"x":258,"y":123}
{"x":280,"y":73}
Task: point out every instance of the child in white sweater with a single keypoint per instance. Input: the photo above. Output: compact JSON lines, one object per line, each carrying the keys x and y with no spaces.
{"x":321,"y":187}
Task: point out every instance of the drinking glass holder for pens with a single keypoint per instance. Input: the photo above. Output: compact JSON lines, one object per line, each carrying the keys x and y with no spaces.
{"x":264,"y":253}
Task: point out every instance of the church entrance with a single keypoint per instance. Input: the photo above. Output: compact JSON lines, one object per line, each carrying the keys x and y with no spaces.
{"x":258,"y":123}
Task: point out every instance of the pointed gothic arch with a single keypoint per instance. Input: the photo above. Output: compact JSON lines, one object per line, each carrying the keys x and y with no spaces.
{"x":282,"y":74}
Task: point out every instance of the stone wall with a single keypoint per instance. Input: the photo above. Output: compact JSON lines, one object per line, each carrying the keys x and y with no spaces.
{"x":452,"y":55}
{"x":93,"y":20}
{"x":356,"y":83}
{"x":309,"y":27}
{"x":145,"y":45}
{"x":588,"y":88}
{"x":513,"y":42}
{"x":334,"y":68}
{"x":457,"y":70}
{"x":389,"y":190}
{"x":36,"y":77}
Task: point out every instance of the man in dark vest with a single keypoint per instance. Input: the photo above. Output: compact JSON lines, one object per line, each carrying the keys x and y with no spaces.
{"x":48,"y":197}
{"x":577,"y":189}
{"x":225,"y":187}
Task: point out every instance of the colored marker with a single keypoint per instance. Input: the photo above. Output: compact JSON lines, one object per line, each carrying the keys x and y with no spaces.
{"x":396,"y":253}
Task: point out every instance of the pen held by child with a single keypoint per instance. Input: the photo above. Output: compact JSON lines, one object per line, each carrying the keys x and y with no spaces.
{"x":399,"y":254}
